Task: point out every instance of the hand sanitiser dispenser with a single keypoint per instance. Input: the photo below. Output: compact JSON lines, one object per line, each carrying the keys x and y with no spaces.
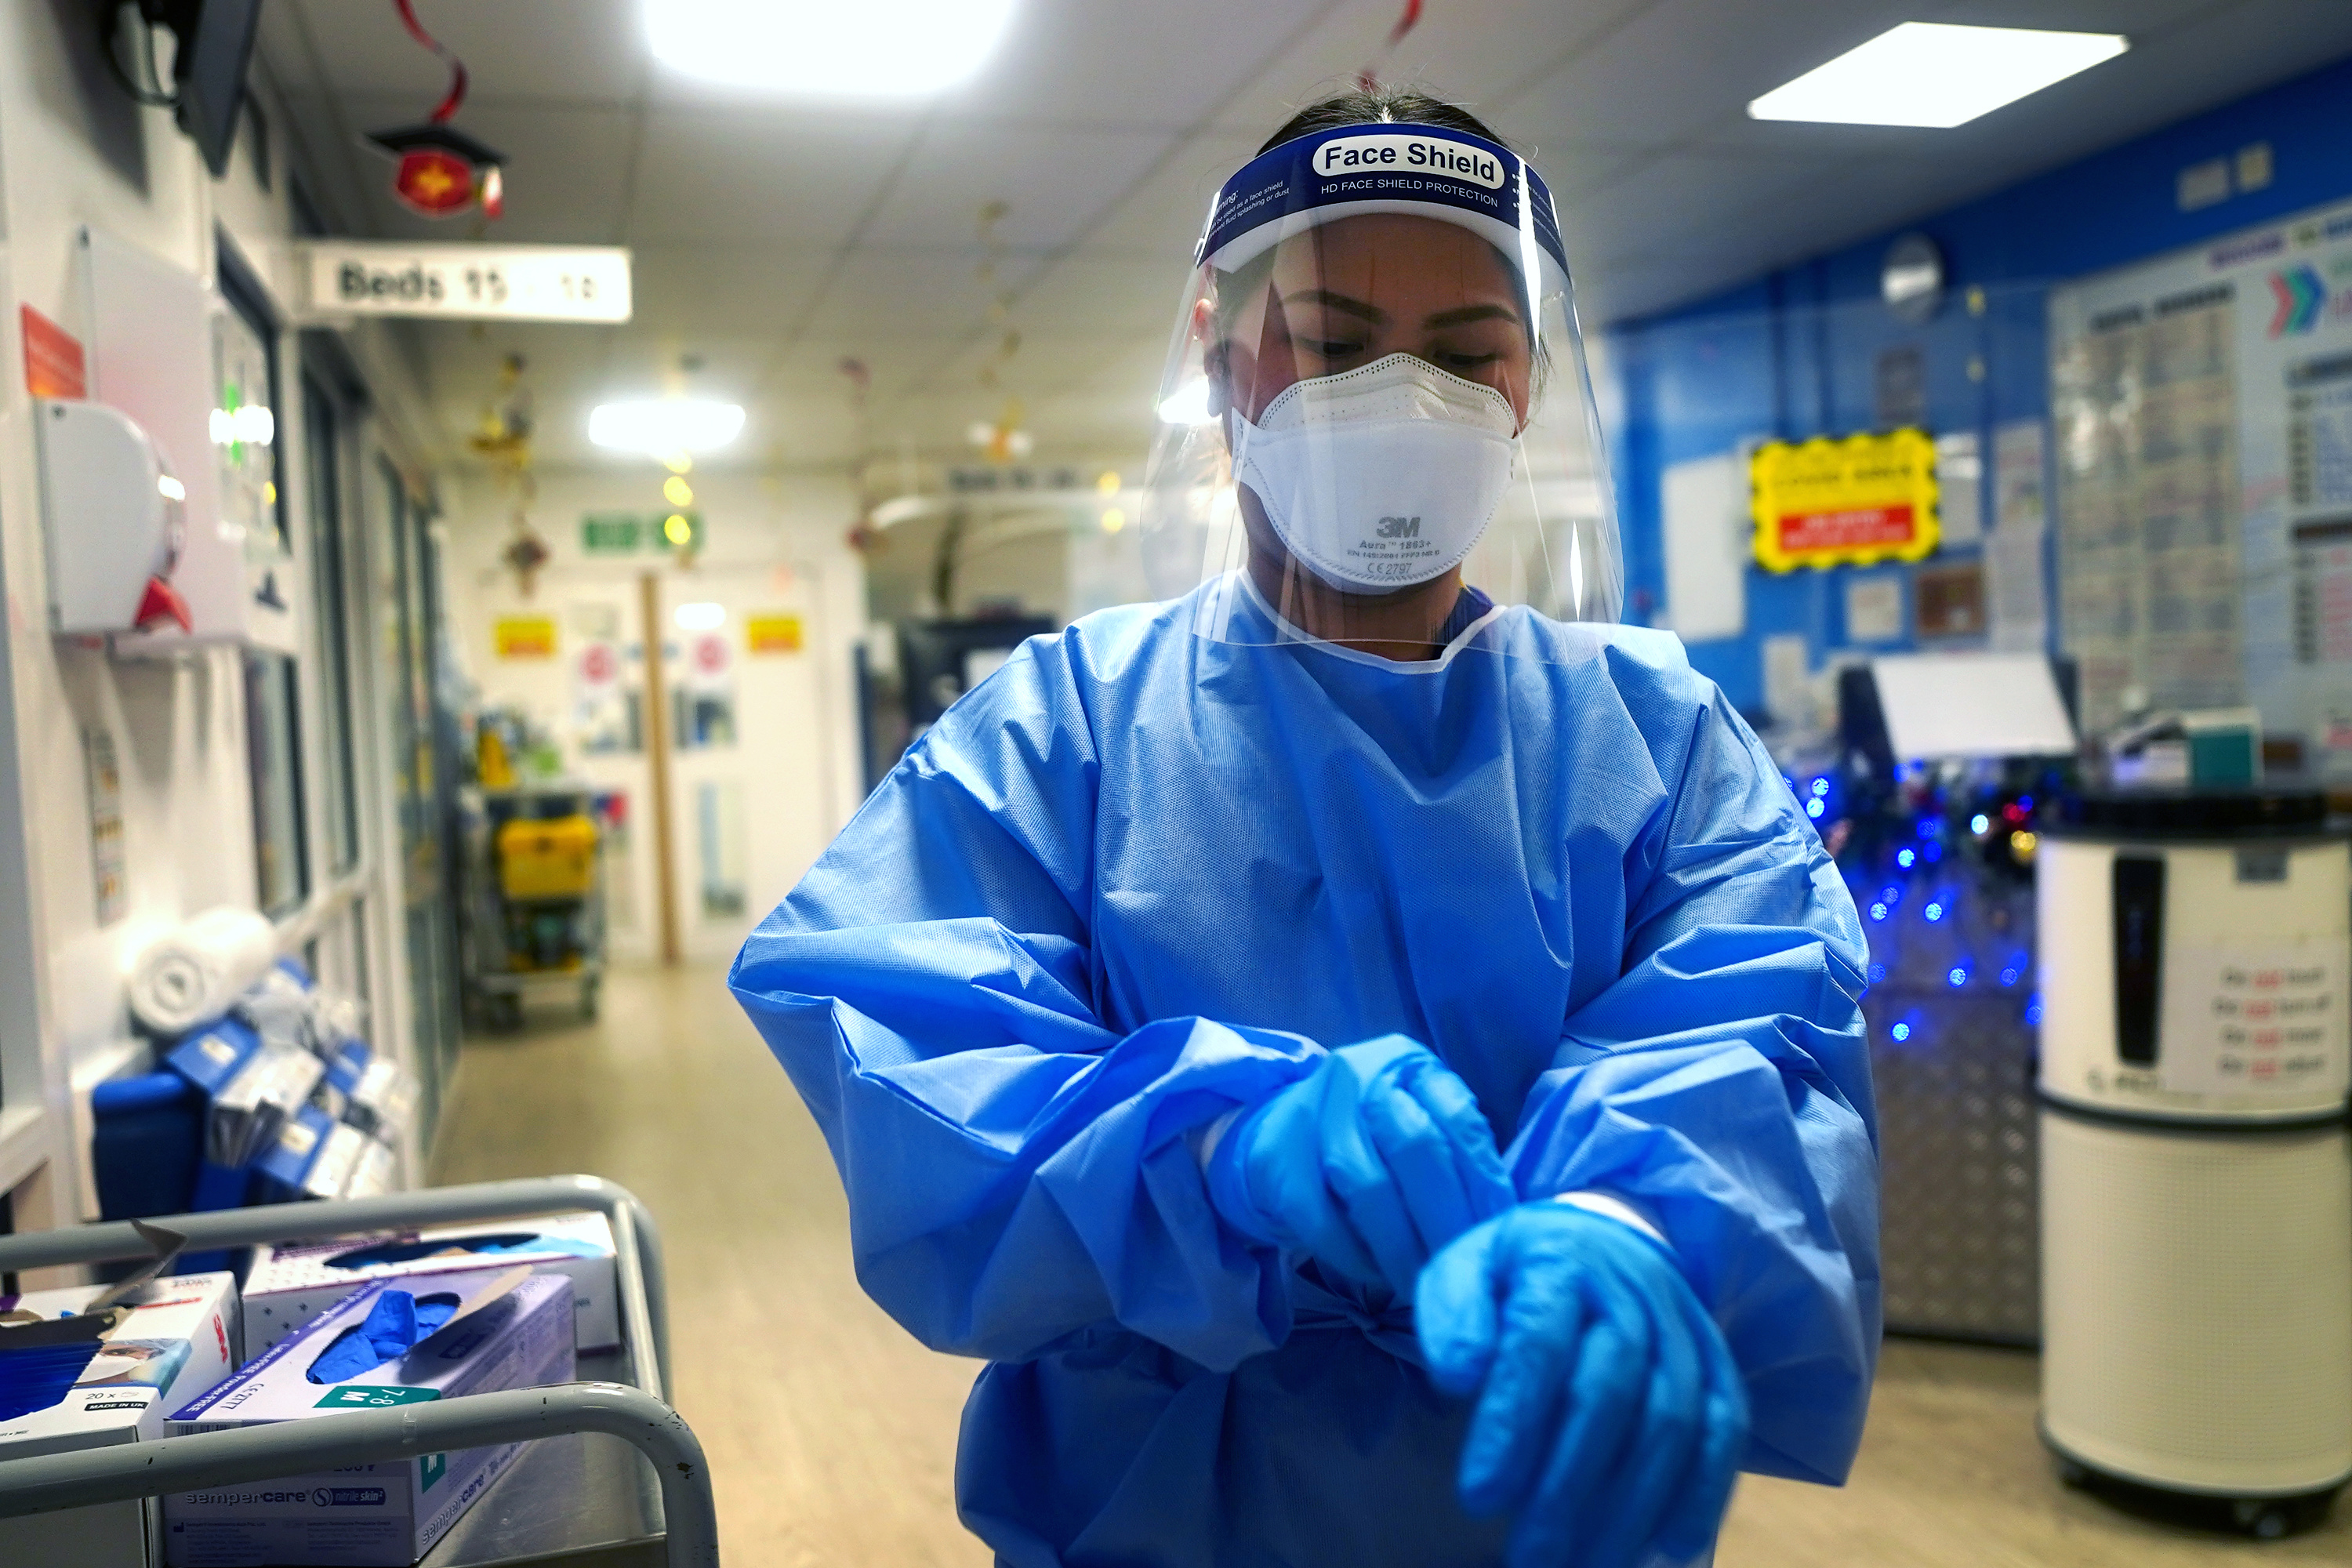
{"x":2195,"y":1166}
{"x":113,"y":521}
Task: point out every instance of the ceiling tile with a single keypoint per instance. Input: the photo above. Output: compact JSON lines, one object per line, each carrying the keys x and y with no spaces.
{"x":1045,"y":365}
{"x":280,"y":41}
{"x":1053,"y":181}
{"x":1074,"y":62}
{"x":562,"y":51}
{"x":2133,"y":17}
{"x":723,"y":176}
{"x":749,"y":289}
{"x":1162,"y":215}
{"x":1113,"y":293}
{"x":1682,"y":65}
{"x":904,"y":292}
{"x":1472,"y":53}
{"x":1654,"y":207}
{"x":808,"y":370}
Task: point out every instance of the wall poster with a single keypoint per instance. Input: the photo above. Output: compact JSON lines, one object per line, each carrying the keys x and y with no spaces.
{"x":2201,"y":410}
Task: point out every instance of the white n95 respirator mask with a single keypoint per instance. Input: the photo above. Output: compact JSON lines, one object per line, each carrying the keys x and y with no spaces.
{"x":1382,"y":477}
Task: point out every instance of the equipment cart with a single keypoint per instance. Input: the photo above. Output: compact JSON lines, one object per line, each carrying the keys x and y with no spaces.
{"x":576,"y":1496}
{"x":534,"y":897}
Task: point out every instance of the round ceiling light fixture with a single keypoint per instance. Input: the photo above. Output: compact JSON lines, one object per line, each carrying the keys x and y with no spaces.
{"x":876,"y":48}
{"x":665,"y":426}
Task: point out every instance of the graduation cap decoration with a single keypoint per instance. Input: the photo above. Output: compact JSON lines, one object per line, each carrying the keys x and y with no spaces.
{"x":442,"y":171}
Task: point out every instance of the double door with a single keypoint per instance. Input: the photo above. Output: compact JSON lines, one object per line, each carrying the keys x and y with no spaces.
{"x":700,"y":706}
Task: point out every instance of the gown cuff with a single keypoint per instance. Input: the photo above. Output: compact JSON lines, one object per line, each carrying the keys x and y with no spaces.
{"x":1616,"y":1208}
{"x":1206,"y":1139}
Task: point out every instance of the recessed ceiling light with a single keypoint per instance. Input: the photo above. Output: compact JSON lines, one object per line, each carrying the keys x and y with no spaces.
{"x":1936,"y":74}
{"x":664,"y":427}
{"x":867,"y":49}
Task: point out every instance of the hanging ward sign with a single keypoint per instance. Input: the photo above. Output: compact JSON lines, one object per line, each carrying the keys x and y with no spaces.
{"x":464,"y":282}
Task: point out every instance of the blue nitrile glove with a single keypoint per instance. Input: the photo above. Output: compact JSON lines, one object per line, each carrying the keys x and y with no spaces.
{"x":397,"y":1323}
{"x":1368,"y":1166}
{"x":1611,"y":1417}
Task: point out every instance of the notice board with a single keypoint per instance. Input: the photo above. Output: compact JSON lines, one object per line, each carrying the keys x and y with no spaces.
{"x":2201,"y":413}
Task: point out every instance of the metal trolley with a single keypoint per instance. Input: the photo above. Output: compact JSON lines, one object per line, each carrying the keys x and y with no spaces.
{"x":516,"y":943}
{"x":575,"y":1497}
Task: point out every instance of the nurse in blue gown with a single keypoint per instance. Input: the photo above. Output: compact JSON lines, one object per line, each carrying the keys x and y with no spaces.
{"x":1367,"y":1050}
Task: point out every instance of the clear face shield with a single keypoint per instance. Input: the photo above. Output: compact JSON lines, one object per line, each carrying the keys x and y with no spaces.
{"x":1377,"y":430}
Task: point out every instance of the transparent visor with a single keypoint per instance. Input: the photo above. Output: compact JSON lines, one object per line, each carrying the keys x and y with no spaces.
{"x":1374,"y":434}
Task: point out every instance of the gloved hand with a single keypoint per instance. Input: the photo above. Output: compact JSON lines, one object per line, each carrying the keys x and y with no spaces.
{"x":1611,"y":1417}
{"x":1369,"y":1164}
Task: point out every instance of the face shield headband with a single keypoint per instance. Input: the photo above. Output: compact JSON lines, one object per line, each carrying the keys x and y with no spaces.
{"x":1422,"y":171}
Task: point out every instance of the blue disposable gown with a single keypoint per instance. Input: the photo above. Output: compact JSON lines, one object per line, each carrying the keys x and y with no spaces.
{"x":1138,"y":878}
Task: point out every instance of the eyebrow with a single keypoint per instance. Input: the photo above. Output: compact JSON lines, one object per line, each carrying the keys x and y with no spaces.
{"x":1468,"y":314}
{"x":1460,"y":316}
{"x":1340,"y":302}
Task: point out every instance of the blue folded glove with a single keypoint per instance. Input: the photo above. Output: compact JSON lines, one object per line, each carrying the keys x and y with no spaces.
{"x":397,"y":1323}
{"x":1611,"y":1417}
{"x":1368,"y":1166}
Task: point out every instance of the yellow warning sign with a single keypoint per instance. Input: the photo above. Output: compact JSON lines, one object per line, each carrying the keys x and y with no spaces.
{"x":1829,"y":503}
{"x":525,"y":637}
{"x":775,"y":631}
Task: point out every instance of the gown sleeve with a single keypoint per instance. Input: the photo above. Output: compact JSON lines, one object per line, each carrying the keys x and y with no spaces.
{"x":1721,"y":1086}
{"x":1017,"y":1172}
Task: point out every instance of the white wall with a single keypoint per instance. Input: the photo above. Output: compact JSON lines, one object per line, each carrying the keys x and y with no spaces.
{"x":74,"y":152}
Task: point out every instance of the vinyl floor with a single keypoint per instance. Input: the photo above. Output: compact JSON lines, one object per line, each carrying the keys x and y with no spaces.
{"x":830,"y":1434}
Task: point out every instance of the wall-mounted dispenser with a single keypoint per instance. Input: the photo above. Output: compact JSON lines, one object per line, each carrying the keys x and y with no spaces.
{"x":114,"y":515}
{"x":159,"y":352}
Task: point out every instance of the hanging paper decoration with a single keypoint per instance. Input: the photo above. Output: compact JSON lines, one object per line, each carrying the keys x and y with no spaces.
{"x":1370,"y":76}
{"x":1000,"y":440}
{"x":502,"y":435}
{"x":442,"y":171}
{"x":525,"y":554}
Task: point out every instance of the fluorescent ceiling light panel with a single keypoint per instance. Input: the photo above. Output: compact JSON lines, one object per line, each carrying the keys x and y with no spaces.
{"x":1935,"y":74}
{"x":828,"y":49}
{"x":664,"y":427}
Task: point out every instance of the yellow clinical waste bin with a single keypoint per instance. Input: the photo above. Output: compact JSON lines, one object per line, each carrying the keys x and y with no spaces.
{"x":554,"y":858}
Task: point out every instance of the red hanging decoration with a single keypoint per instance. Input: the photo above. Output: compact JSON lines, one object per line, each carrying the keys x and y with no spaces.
{"x":442,"y":171}
{"x":1370,"y":76}
{"x":456,"y":94}
{"x":434,"y":183}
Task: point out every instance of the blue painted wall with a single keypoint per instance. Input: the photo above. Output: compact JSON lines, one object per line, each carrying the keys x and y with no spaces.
{"x":1794,"y":354}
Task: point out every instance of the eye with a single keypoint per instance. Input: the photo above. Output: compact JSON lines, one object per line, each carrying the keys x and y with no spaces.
{"x":1329,"y":348}
{"x":1467,"y":362}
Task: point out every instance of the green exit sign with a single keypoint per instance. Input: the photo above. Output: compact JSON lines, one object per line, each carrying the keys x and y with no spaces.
{"x":629,"y":532}
{"x":612,"y":533}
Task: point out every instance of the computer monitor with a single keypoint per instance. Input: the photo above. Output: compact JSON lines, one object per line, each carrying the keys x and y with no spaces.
{"x":215,"y":46}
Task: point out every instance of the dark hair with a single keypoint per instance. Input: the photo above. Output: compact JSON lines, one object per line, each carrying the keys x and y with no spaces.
{"x":1377,"y":104}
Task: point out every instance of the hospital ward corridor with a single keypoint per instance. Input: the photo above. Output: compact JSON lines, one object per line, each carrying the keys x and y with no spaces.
{"x":1175,"y":783}
{"x":831,"y":1434}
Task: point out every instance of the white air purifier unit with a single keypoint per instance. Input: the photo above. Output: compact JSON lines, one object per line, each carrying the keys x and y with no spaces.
{"x":2196,"y":1163}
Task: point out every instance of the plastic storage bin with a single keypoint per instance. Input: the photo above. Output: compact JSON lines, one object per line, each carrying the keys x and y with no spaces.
{"x":548,"y":860}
